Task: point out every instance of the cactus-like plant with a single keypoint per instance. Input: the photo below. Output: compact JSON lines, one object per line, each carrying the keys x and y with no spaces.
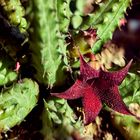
{"x":7,"y":73}
{"x":15,"y":12}
{"x":16,"y":102}
{"x":63,"y":14}
{"x":59,"y":120}
{"x":130,"y":88}
{"x":81,"y":9}
{"x":47,"y":41}
{"x":110,"y":20}
{"x":90,"y":23}
{"x":105,"y":19}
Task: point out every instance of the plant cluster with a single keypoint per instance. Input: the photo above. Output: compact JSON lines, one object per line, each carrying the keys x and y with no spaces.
{"x":44,"y":45}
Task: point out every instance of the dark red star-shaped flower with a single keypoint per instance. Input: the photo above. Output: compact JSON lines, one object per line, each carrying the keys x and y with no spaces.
{"x":96,"y":87}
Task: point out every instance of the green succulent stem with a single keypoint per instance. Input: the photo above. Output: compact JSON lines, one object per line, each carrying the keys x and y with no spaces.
{"x":106,"y":27}
{"x":7,"y":73}
{"x":105,"y":19}
{"x":15,"y":13}
{"x":48,"y":40}
{"x":59,"y":121}
{"x":16,"y":102}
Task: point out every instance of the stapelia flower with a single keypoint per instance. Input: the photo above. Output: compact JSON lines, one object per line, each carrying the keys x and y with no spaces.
{"x":96,"y":87}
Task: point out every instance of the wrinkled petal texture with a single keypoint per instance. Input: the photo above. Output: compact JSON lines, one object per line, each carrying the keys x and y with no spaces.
{"x":115,"y":78}
{"x":112,"y":99}
{"x":92,"y":105}
{"x":86,"y":71}
{"x":74,"y":92}
{"x":96,"y":87}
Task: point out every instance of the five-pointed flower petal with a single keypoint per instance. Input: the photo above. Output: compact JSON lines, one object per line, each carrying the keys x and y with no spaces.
{"x":86,"y":71}
{"x":96,"y":87}
{"x":91,"y":102}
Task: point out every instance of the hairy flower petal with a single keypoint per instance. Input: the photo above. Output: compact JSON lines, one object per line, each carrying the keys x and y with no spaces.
{"x":86,"y":71}
{"x":97,"y":87}
{"x":74,"y":92}
{"x":92,"y":106}
{"x":112,"y":98}
{"x":115,"y":78}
